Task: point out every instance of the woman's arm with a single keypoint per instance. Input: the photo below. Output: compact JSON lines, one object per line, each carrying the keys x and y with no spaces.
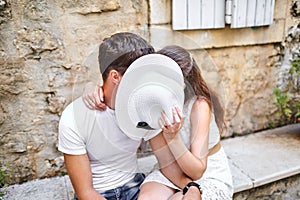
{"x":192,"y":162}
{"x":167,"y":163}
{"x":79,"y":171}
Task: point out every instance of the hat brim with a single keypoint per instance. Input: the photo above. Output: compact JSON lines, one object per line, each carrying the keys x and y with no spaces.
{"x":153,"y":69}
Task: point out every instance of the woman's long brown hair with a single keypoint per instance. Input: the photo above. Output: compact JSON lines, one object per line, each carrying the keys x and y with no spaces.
{"x":195,"y":84}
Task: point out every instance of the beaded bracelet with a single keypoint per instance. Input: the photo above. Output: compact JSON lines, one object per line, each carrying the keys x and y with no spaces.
{"x":190,"y":184}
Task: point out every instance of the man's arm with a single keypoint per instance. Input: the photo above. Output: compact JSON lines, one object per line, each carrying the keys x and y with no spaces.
{"x":168,"y":165}
{"x":79,"y":171}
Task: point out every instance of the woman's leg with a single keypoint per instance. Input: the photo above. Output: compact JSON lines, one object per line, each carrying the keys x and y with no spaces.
{"x":192,"y":193}
{"x":176,"y":196}
{"x":154,"y":190}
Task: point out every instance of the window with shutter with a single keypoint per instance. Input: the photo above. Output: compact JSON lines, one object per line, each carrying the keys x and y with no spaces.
{"x":249,"y":13}
{"x":198,"y":14}
{"x":210,"y":14}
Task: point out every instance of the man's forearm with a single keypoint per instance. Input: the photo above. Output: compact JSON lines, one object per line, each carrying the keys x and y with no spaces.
{"x":79,"y":171}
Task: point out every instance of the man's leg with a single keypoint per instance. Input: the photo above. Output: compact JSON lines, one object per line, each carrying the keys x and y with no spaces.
{"x":130,"y":191}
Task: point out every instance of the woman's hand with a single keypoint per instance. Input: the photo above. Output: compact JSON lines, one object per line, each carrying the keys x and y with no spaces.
{"x":93,"y":97}
{"x":193,"y":193}
{"x":170,"y":130}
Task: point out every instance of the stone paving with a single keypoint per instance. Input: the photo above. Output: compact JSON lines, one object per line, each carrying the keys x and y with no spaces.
{"x":255,"y":160}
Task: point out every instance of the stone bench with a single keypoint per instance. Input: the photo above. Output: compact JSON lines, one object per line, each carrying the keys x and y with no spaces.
{"x":264,"y":165}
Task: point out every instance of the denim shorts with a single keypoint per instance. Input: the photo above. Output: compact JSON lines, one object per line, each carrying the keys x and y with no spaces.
{"x":129,"y":191}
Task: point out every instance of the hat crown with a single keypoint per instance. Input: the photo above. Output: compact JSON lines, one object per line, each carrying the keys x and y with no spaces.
{"x":150,"y":101}
{"x":153,"y":83}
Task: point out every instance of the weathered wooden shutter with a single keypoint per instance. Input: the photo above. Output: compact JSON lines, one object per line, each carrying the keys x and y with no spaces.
{"x":209,"y":14}
{"x":198,"y":14}
{"x":248,"y":13}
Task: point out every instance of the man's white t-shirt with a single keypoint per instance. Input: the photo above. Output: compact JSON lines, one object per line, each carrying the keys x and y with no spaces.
{"x":111,"y":153}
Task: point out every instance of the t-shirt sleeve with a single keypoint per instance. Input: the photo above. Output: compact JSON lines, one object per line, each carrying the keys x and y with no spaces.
{"x":69,"y":140}
{"x":151,"y":134}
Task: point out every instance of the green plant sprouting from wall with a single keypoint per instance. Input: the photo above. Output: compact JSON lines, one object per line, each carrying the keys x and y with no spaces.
{"x":284,"y":110}
{"x":288,"y":109}
{"x":3,"y":185}
{"x":294,"y":71}
{"x":295,"y":68}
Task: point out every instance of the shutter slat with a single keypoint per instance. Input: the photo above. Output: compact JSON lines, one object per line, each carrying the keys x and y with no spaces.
{"x":179,"y":14}
{"x":260,"y":12}
{"x":239,"y":13}
{"x":269,"y":12}
{"x":207,"y":17}
{"x":194,"y":14}
{"x":219,"y":14}
{"x":251,"y":10}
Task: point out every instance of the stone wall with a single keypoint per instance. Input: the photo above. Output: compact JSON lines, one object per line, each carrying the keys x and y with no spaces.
{"x":48,"y":51}
{"x":246,"y":74}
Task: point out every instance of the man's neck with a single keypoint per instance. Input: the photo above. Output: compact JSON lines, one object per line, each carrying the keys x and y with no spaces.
{"x":109,"y":95}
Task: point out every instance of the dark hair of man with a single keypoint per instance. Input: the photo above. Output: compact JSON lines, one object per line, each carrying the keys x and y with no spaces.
{"x":120,"y":50}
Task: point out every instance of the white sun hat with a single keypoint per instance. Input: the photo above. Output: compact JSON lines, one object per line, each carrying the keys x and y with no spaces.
{"x":153,"y":83}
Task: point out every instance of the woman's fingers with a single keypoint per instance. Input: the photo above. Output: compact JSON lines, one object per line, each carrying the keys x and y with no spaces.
{"x":165,"y":123}
{"x":101,"y":94}
{"x":100,"y":99}
{"x":161,"y":123}
{"x":89,"y":103}
{"x":180,"y":114}
{"x":176,"y":117}
{"x":97,"y":94}
{"x":166,"y":119}
{"x":93,"y":96}
{"x":88,"y":95}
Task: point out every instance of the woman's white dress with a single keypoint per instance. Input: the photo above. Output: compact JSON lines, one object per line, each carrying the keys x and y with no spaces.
{"x":216,"y":182}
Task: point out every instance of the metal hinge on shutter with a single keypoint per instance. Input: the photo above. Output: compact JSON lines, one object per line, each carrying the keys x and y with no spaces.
{"x":228,"y":11}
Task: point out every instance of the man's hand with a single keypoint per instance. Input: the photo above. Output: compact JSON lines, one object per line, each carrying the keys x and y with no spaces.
{"x":193,"y":193}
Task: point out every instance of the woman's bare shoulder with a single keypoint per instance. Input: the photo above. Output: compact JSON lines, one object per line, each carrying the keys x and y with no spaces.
{"x":201,"y":104}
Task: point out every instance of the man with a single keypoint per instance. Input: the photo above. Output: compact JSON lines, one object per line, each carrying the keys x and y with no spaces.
{"x":100,"y":159}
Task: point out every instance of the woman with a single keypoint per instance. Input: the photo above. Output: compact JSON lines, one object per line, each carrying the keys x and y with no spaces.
{"x":204,"y":160}
{"x":194,"y":140}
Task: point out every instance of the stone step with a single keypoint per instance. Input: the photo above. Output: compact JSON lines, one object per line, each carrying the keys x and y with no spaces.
{"x":265,"y":164}
{"x":259,"y":163}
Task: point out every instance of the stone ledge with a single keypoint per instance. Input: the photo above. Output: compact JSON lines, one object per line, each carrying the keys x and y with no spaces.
{"x":283,"y":189}
{"x":261,"y":158}
{"x":266,"y":162}
{"x":59,"y":188}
